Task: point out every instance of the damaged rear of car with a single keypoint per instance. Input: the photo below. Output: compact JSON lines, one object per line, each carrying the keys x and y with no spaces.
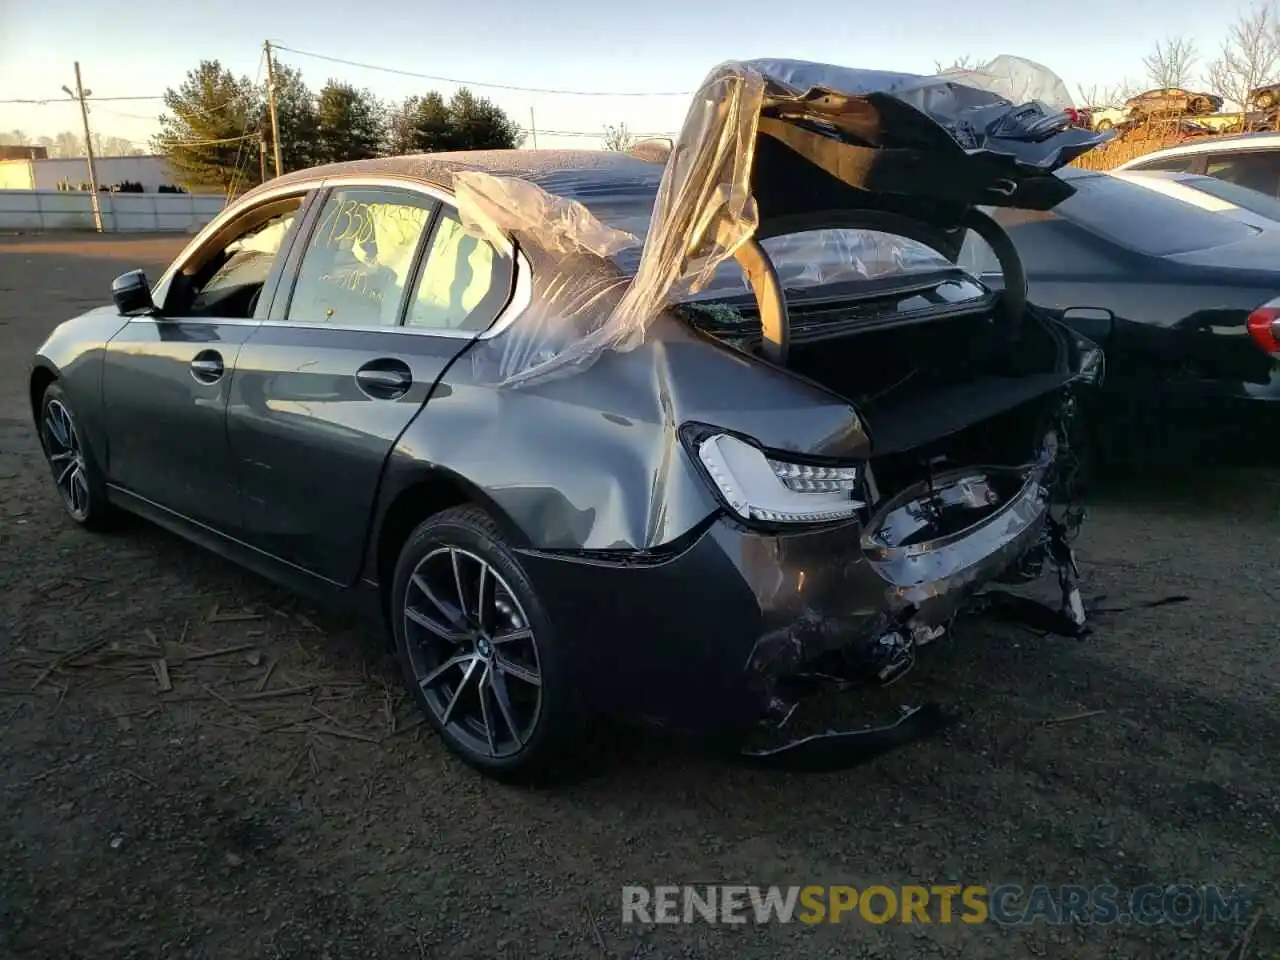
{"x":795,"y":440}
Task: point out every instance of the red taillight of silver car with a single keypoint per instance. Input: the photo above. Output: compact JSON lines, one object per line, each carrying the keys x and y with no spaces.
{"x":1264,"y":326}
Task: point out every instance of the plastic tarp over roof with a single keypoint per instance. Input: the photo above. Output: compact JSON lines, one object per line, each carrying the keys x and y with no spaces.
{"x":765,"y":144}
{"x":1016,"y":79}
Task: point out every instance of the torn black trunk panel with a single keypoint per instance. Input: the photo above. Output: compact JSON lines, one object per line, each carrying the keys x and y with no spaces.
{"x":830,"y":138}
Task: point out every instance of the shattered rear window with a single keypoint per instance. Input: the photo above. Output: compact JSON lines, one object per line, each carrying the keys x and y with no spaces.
{"x":817,"y":258}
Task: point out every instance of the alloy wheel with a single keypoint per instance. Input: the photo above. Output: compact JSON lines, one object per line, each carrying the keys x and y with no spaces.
{"x":66,"y":458}
{"x":473,"y":652}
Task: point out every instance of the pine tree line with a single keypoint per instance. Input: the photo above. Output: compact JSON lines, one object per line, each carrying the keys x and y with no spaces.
{"x":209,"y":132}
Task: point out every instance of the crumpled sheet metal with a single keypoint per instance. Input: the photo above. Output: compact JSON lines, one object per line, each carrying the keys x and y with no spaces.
{"x":705,"y":209}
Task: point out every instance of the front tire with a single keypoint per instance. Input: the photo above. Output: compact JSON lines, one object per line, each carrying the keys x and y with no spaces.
{"x":80,"y":483}
{"x":478,"y":653}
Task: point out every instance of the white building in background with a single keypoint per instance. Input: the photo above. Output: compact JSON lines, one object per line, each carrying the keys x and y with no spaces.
{"x":150,"y":171}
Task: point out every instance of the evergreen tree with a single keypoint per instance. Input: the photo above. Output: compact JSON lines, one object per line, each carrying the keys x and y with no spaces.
{"x":200,"y":134}
{"x":349,"y":123}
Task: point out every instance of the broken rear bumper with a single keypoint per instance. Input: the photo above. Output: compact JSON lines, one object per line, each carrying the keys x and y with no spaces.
{"x":705,"y":641}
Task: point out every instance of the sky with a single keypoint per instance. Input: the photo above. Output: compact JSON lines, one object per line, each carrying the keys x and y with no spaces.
{"x":647,"y":46}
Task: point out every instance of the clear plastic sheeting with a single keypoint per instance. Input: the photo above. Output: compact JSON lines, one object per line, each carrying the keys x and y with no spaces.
{"x":702,"y":213}
{"x":1016,"y":79}
{"x":805,"y":146}
{"x":494,"y":207}
{"x":820,"y":257}
{"x":816,"y":258}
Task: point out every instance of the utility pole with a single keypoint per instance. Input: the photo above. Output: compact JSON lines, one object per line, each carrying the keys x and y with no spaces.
{"x":533,"y":128}
{"x":81,"y":94}
{"x":262,"y":156}
{"x":271,"y":105}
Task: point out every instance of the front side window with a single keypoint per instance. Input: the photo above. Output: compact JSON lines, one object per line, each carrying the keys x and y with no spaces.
{"x":358,"y":260}
{"x":227,"y":281}
{"x":464,"y":281}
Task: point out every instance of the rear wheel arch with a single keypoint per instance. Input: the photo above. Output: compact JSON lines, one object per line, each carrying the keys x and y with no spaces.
{"x":433,"y":491}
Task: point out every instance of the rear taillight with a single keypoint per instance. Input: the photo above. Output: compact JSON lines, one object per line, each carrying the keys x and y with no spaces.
{"x":1264,"y":326}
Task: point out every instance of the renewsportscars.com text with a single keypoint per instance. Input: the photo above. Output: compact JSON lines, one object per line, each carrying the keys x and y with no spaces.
{"x":1004,"y":904}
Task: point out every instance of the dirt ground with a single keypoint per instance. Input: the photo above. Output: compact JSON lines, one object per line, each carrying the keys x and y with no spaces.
{"x":319,"y":820}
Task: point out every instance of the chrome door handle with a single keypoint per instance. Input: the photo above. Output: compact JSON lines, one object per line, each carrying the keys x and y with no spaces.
{"x":207,"y":366}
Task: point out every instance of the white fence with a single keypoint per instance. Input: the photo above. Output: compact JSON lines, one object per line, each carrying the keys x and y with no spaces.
{"x":121,"y":212}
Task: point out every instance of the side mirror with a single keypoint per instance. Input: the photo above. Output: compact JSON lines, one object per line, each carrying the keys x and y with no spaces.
{"x":132,"y":294}
{"x":1092,"y":322}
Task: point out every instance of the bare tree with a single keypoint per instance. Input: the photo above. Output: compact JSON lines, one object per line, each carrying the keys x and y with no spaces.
{"x":618,"y":138}
{"x":1250,"y":56}
{"x":1170,"y":64}
{"x":965,"y":62}
{"x":1109,"y":97}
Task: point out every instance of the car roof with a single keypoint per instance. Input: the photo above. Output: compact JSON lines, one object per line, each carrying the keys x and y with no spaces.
{"x":567,"y":173}
{"x":1228,"y":143}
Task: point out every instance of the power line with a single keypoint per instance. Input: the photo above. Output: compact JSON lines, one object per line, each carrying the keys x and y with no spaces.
{"x":485,"y":84}
{"x":49,"y":100}
{"x":588,"y":133}
{"x":236,"y":171}
{"x":203,"y":143}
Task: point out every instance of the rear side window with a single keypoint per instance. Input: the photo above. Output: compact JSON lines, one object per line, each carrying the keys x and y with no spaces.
{"x":464,"y":281}
{"x":1259,"y":170}
{"x":1146,"y":221}
{"x":358,"y":260}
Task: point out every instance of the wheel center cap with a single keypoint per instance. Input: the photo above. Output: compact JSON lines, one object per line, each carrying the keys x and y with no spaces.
{"x":484,"y":647}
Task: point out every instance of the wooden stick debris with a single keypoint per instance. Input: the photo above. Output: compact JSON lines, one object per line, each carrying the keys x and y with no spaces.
{"x":139,"y":777}
{"x":595,"y":930}
{"x":66,"y":658}
{"x":1072,"y":717}
{"x":1240,"y":950}
{"x":161,"y":668}
{"x":230,"y":706}
{"x":344,"y":734}
{"x":266,"y":677}
{"x":221,"y":652}
{"x":285,"y":692}
{"x":215,"y":616}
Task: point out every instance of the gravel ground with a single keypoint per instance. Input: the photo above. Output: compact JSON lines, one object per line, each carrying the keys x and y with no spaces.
{"x":320,"y":820}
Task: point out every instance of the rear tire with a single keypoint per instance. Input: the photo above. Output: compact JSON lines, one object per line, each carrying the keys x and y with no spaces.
{"x":479,"y":654}
{"x":79,"y":481}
